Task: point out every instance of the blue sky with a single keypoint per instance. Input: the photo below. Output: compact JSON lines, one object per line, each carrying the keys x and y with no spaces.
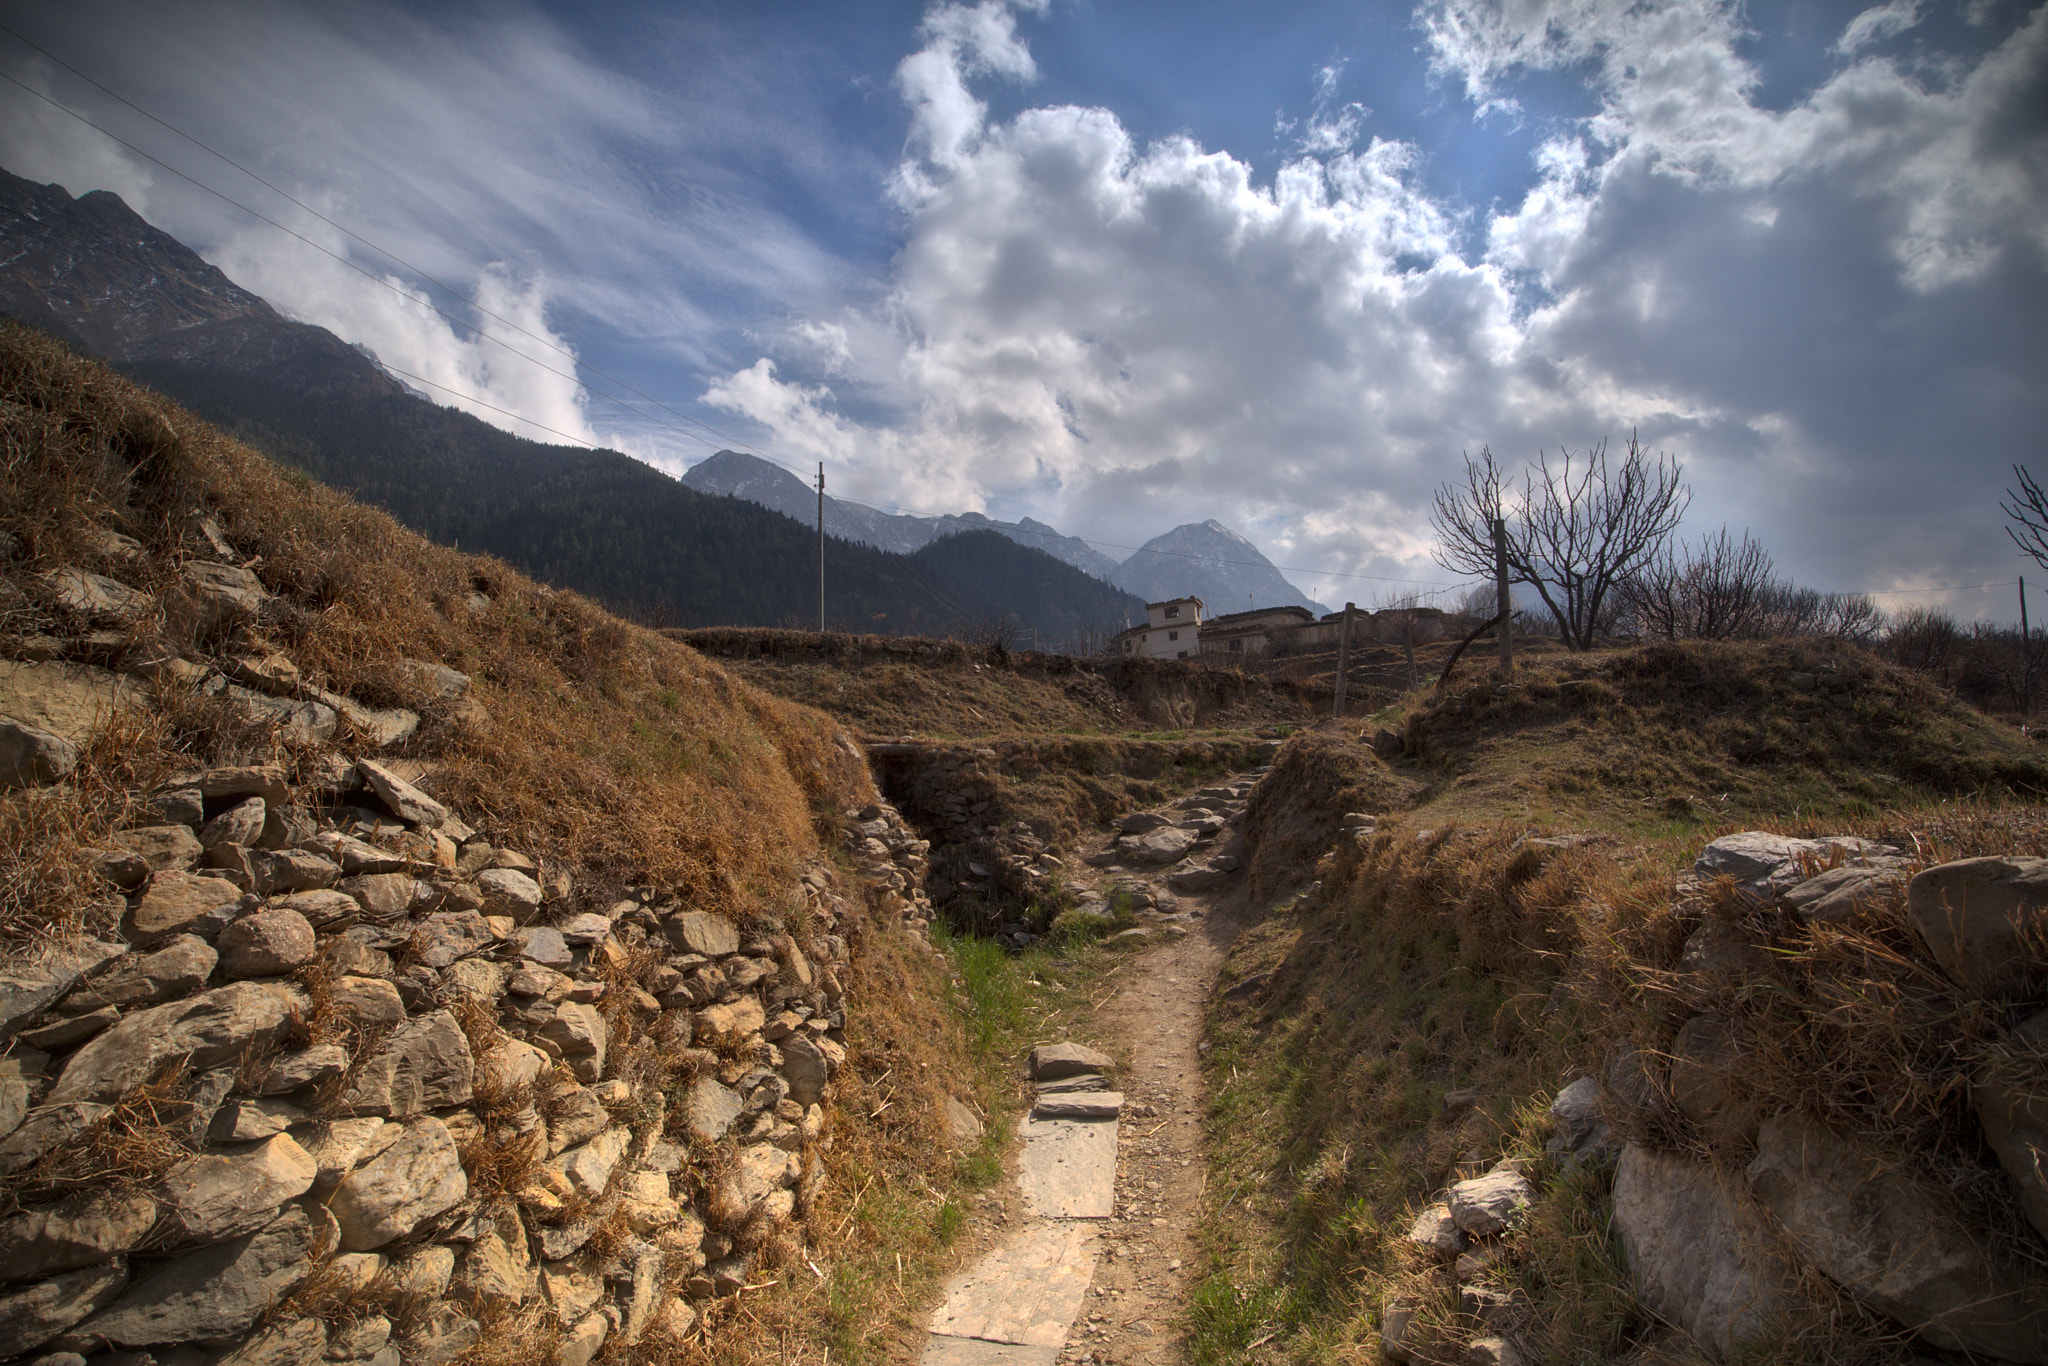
{"x":1124,"y":265}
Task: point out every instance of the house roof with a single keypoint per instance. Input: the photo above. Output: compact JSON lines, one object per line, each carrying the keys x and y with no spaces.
{"x":1254,"y":616}
{"x":1171,"y":601}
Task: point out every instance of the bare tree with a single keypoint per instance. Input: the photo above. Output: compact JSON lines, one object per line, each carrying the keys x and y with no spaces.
{"x":1579,"y":530}
{"x":2029,"y":509}
{"x":1721,"y":589}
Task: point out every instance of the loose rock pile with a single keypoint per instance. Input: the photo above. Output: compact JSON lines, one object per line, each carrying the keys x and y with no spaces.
{"x":356,"y":1084}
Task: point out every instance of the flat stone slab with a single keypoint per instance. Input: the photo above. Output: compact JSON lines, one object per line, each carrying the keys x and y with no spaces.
{"x":1027,"y":1294}
{"x":1069,"y":1168}
{"x":945,"y":1351}
{"x":1080,"y":1105}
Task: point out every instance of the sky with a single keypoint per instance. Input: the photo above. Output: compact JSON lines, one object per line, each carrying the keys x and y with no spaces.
{"x":1124,"y":264}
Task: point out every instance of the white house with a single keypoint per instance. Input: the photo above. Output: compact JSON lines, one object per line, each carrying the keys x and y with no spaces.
{"x":1172,"y":630}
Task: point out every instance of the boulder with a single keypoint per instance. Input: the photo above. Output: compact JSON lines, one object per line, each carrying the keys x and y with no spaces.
{"x":587,"y":1167}
{"x":808,"y":1061}
{"x":1142,"y":823}
{"x":165,"y":848}
{"x":337,"y":1145}
{"x":31,"y":1315}
{"x":32,"y":757}
{"x":2012,"y":1109}
{"x":446,"y":936}
{"x":302,"y":1068}
{"x":702,"y":932}
{"x":382,"y":896}
{"x":414,"y":1179}
{"x":1051,"y":1061}
{"x":26,"y":990}
{"x":240,"y":824}
{"x":401,"y":798}
{"x":366,"y":1003}
{"x":1702,"y":1254}
{"x":1985,"y":921}
{"x":322,"y":908}
{"x":181,"y":903}
{"x":761,"y":1170}
{"x":497,"y":1269}
{"x":96,"y":597}
{"x":578,"y":1031}
{"x":217,"y":1196}
{"x":1896,"y":1244}
{"x":280,"y":872}
{"x":206,"y":1030}
{"x":224,"y":594}
{"x":1487,"y":1204}
{"x":179,"y":968}
{"x":1157,"y":848}
{"x":90,"y":1227}
{"x":66,"y":700}
{"x":1840,"y":893}
{"x":1193,"y":881}
{"x":1582,"y":1132}
{"x":1434,"y":1230}
{"x":211,"y":1292}
{"x":1764,"y":864}
{"x":266,"y":943}
{"x":544,"y":945}
{"x":508,"y":891}
{"x":425,"y":1064}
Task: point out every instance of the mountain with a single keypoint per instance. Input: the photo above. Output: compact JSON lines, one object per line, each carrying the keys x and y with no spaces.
{"x":1209,"y":561}
{"x":771,"y":485}
{"x":97,"y":275}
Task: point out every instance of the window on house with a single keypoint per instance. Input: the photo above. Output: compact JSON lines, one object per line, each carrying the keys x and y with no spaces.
{"x":1237,"y":645}
{"x":1173,"y":611}
{"x":1173,"y":635}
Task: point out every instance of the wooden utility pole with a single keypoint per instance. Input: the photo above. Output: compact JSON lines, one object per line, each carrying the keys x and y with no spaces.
{"x":821,"y":547}
{"x":1504,"y":602}
{"x":1343,"y":659}
{"x":2026,"y":659}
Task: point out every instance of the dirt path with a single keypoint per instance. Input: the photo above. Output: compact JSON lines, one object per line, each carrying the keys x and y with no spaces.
{"x":1148,"y":1262}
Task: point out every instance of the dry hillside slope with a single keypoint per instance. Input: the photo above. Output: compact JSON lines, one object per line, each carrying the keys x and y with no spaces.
{"x":399,"y":958}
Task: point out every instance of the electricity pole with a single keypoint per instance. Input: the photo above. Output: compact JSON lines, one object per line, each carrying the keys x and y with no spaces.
{"x":1343,"y":660}
{"x":821,"y":547}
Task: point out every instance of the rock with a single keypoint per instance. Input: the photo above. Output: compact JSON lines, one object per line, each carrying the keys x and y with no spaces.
{"x":424,"y":1272}
{"x":809,"y":1061}
{"x":1436,"y":1231}
{"x":245,"y":1119}
{"x":1704,"y":1067}
{"x":224,"y":593}
{"x":588,"y":1166}
{"x":1702,"y":1254}
{"x":424,"y":1065}
{"x":1142,"y":823}
{"x":165,"y":848}
{"x":1725,"y":949}
{"x":645,"y":1296}
{"x":446,"y":1334}
{"x":401,"y":798}
{"x":1985,"y":921}
{"x":509,"y":892}
{"x":382,"y":896}
{"x":247,"y":780}
{"x":91,"y":1227}
{"x":1158,"y":848}
{"x":356,"y":857}
{"x":1080,"y":1105}
{"x":1491,"y":1352}
{"x":1049,"y":1062}
{"x":337,"y":1145}
{"x":1897,"y":1245}
{"x":762,"y":1170}
{"x":366,"y":1003}
{"x":414,"y":1179}
{"x":33,"y":1314}
{"x":544,"y":945}
{"x":180,"y":903}
{"x":1192,"y":881}
{"x":2013,"y":1112}
{"x":297,"y":1342}
{"x":225,"y":1195}
{"x":266,"y":943}
{"x":580,"y":1345}
{"x":96,"y":597}
{"x":497,"y":1270}
{"x":709,"y":1109}
{"x":1485,"y":1205}
{"x":293,"y":721}
{"x":374,"y":727}
{"x":206,"y":1030}
{"x":702,"y":932}
{"x":514,"y":1064}
{"x":1840,"y":893}
{"x":125,"y":869}
{"x":240,"y":824}
{"x":446,"y":936}
{"x":360,"y":1338}
{"x":283,"y":871}
{"x":1762,"y":864}
{"x":963,"y":1126}
{"x":66,"y":700}
{"x":32,"y":757}
{"x":1582,"y":1133}
{"x":302,"y":1068}
{"x":1394,"y":1321}
{"x":730,"y":1024}
{"x":588,"y":928}
{"x":26,"y":990}
{"x":322,"y":908}
{"x":47,"y":1127}
{"x":62,"y":1034}
{"x":211,"y":1292}
{"x":579,"y":1032}
{"x":179,"y":968}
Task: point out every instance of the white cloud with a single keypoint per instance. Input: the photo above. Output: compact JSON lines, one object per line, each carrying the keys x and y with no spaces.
{"x":1876,"y":25}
